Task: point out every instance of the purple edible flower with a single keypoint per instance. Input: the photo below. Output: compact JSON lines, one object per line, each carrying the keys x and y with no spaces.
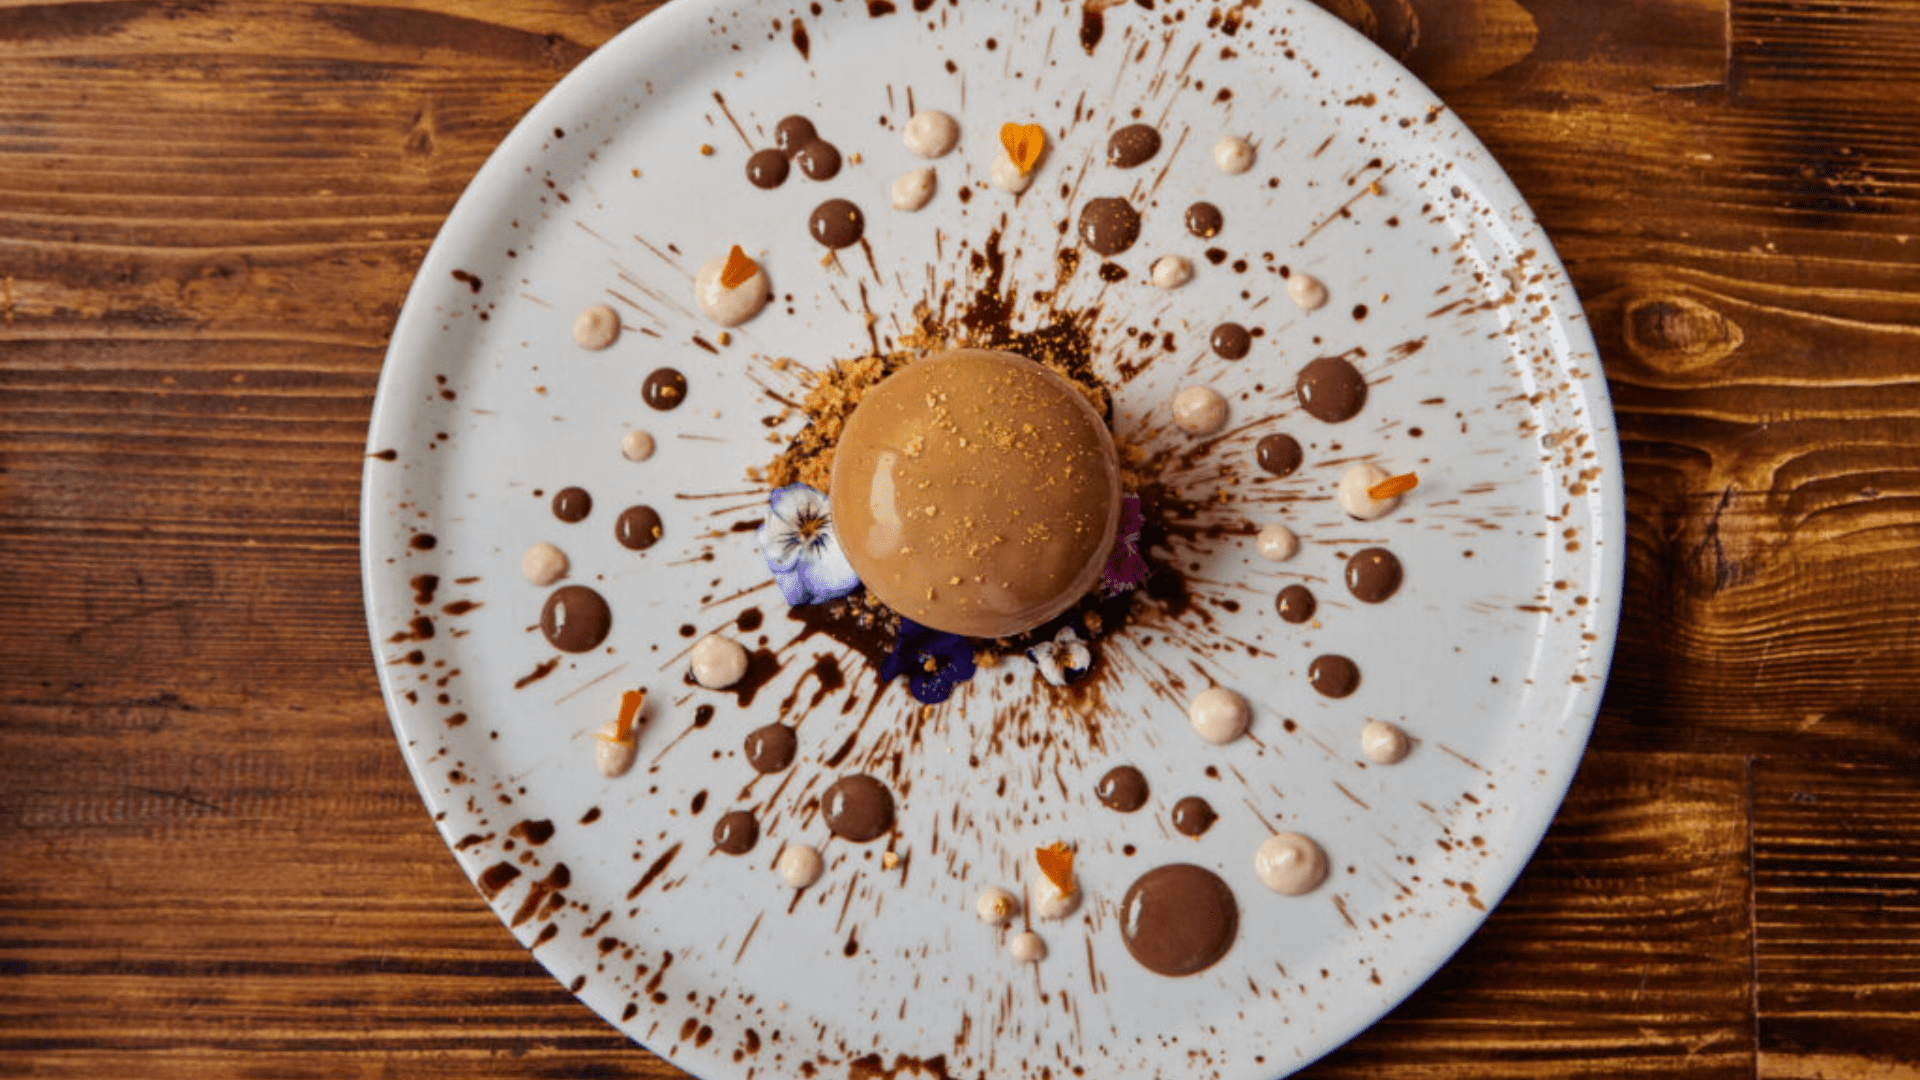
{"x":797,"y":542}
{"x":950,"y":654}
{"x":1126,"y":567}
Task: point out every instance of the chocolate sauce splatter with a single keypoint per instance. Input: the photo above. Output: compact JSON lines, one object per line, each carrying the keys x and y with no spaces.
{"x":1109,"y":225}
{"x":1179,"y":919}
{"x":858,"y":808}
{"x":1193,"y":816}
{"x":664,"y":389}
{"x":575,"y":619}
{"x":572,"y":504}
{"x":1278,"y":454}
{"x":837,"y":223}
{"x":637,"y":528}
{"x":1123,"y":789}
{"x":770,"y":749}
{"x":1093,"y":24}
{"x":1204,"y":221}
{"x":800,"y":41}
{"x":423,"y":587}
{"x":767,"y":169}
{"x":1295,"y":603}
{"x":471,"y":282}
{"x":1334,"y":676}
{"x":1373,"y":575}
{"x":1132,"y":145}
{"x":1231,"y":341}
{"x":422,"y":542}
{"x":736,"y":832}
{"x":1331,"y":389}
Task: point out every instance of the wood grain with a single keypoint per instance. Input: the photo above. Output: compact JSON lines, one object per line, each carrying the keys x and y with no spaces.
{"x":215,"y":863}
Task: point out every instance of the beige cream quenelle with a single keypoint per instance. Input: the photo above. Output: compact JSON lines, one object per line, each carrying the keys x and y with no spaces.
{"x":976,"y":492}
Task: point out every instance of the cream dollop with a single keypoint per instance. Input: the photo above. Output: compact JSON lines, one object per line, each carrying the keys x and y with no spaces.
{"x":1355,"y":484}
{"x":544,"y":564}
{"x":1008,"y":177}
{"x":1219,"y":715}
{"x":1277,"y":543}
{"x":1290,"y":864}
{"x":1233,"y":154}
{"x":612,"y":755}
{"x":930,"y":134}
{"x":1384,"y":743}
{"x":1171,"y":271}
{"x":1199,"y":410}
{"x":729,"y":307}
{"x":1307,"y":292}
{"x":1046,"y":901}
{"x":596,"y":327}
{"x":799,"y":865}
{"x":636,"y":446}
{"x":1027,"y":947}
{"x":718,"y":662}
{"x":996,"y":907}
{"x":912,"y":190}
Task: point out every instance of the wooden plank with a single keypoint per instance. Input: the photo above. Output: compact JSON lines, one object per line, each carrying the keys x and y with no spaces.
{"x":1836,"y":879}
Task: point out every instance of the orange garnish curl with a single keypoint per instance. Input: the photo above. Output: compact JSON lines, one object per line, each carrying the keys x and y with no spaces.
{"x":1025,"y":143}
{"x":1393,"y":485}
{"x":738,"y":270}
{"x":1056,"y":861}
{"x":630,"y":702}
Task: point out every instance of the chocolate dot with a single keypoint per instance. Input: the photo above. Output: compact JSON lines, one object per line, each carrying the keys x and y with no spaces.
{"x":857,"y":808}
{"x":1295,"y":603}
{"x":770,"y":749}
{"x":1334,"y":676}
{"x":1179,"y":919}
{"x":1278,"y":454}
{"x":1231,"y":341}
{"x":1109,"y":226}
{"x":837,"y":223}
{"x":792,"y":133}
{"x":638,"y":528}
{"x":664,"y":389}
{"x":1193,"y":816}
{"x":572,"y":504}
{"x":1373,"y":575}
{"x":1331,"y":389}
{"x":1132,"y":145}
{"x":1123,"y":789}
{"x":1204,"y":221}
{"x":736,"y":832}
{"x":819,"y":160}
{"x":575,"y":619}
{"x":767,"y":169}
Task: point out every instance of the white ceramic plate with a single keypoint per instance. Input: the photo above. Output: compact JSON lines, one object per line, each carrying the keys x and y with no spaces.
{"x":1492,"y":655}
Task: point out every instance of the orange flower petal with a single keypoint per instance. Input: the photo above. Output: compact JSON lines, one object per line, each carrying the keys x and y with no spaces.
{"x":1056,"y":861}
{"x":1025,"y":143}
{"x":630,"y":703}
{"x":1393,"y":485}
{"x":738,"y":270}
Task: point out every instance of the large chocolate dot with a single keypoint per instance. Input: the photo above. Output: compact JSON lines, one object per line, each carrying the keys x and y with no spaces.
{"x":858,"y":808}
{"x":1331,"y":389}
{"x":1179,"y":919}
{"x":837,"y":223}
{"x":1373,"y":574}
{"x":1123,"y":789}
{"x":1109,"y":226}
{"x":1334,"y":676}
{"x":575,"y":618}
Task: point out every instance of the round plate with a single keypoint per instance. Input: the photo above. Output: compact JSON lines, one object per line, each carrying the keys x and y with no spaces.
{"x":630,"y":174}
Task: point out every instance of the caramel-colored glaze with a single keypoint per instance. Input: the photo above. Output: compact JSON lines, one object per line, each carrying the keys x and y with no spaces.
{"x":976,"y":492}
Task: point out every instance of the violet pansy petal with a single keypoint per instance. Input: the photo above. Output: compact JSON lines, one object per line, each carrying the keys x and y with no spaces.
{"x":828,"y":573}
{"x":780,"y":545}
{"x":796,"y":503}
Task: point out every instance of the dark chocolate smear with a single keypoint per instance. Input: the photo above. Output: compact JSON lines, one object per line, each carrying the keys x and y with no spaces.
{"x":575,"y":618}
{"x":1109,"y":226}
{"x":770,"y":748}
{"x":1278,"y":454}
{"x":1373,"y":575}
{"x":1132,"y":145}
{"x":1295,"y":603}
{"x":819,"y":160}
{"x":793,"y":132}
{"x":572,"y":504}
{"x":664,"y":389}
{"x":736,"y":832}
{"x":767,"y":169}
{"x":1334,"y":676}
{"x":858,"y":808}
{"x":1123,"y":789}
{"x":1193,"y":816}
{"x":837,"y":223}
{"x":1231,"y":341}
{"x":1331,"y":389}
{"x":637,"y":528}
{"x":1204,"y":221}
{"x":1179,"y":919}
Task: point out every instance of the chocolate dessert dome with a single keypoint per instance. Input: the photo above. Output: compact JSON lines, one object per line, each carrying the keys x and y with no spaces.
{"x":976,"y":492}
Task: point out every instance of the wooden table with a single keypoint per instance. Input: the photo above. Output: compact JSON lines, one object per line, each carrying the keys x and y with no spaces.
{"x":215,"y":864}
